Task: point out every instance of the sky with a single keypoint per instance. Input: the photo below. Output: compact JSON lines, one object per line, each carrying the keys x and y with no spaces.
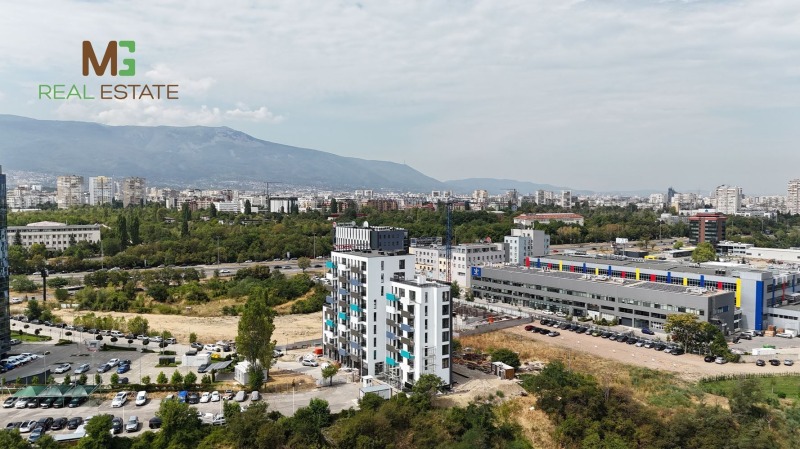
{"x":600,"y":95}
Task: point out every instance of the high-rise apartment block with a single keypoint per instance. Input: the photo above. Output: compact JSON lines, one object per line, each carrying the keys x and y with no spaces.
{"x":134,"y":191}
{"x":381,"y":321}
{"x":728,"y":199}
{"x":69,"y":191}
{"x":566,"y":199}
{"x":101,"y":190}
{"x":5,"y":313}
{"x":793,"y":197}
{"x":524,"y":244}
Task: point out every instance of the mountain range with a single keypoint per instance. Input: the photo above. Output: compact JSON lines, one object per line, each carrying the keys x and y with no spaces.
{"x":196,"y":156}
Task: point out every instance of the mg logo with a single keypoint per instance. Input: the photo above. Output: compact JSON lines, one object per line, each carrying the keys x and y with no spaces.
{"x":109,"y":58}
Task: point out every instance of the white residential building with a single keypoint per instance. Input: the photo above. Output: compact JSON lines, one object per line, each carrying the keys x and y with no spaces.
{"x":134,"y":191}
{"x":53,"y":235}
{"x":526,"y":243}
{"x":793,"y":197}
{"x":566,"y":199}
{"x":101,"y":190}
{"x":728,"y":199}
{"x":69,"y":191}
{"x":282,"y":205}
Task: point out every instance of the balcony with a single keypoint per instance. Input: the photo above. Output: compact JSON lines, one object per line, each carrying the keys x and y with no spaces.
{"x":329,"y":299}
{"x":355,"y":269}
{"x":391,"y":297}
{"x":390,"y":322}
{"x":408,"y":342}
{"x":406,"y":315}
{"x":391,"y":349}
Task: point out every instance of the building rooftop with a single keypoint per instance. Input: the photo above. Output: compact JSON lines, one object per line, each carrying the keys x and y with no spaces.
{"x":662,"y":265}
{"x":551,"y":216}
{"x":630,"y":283}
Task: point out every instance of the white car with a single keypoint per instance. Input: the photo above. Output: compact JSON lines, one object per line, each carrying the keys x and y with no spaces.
{"x":214,"y":396}
{"x":205,"y":397}
{"x":310,"y":363}
{"x":113,"y":362}
{"x":27,"y":426}
{"x":82,"y":369}
{"x":141,"y":398}
{"x":16,"y":301}
{"x":120,"y":399}
{"x":62,"y":368}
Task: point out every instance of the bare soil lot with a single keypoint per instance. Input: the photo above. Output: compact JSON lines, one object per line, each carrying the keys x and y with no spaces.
{"x":288,"y":328}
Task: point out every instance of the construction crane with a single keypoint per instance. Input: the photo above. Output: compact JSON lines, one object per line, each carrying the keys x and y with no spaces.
{"x":267,"y":193}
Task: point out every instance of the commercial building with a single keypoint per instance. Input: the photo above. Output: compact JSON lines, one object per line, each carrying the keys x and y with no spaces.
{"x":101,"y":190}
{"x":69,"y":191}
{"x":526,"y":243}
{"x":758,"y":293}
{"x":381,"y":321}
{"x":707,"y":227}
{"x":431,"y":261}
{"x":5,"y":312}
{"x":134,"y":191}
{"x":631,"y":301}
{"x":793,"y":197}
{"x":348,"y":236}
{"x":528,"y":220}
{"x":566,"y":199}
{"x":54,"y":235}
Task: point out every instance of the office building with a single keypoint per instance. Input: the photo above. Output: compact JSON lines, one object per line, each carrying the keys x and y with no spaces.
{"x":431,"y":261}
{"x":793,"y":197}
{"x":382,"y":322}
{"x":53,"y":235}
{"x":283,"y":205}
{"x":523,"y":244}
{"x":728,"y":199}
{"x":761,"y":297}
{"x":348,"y":236}
{"x":69,"y":191}
{"x":101,"y":190}
{"x":134,"y":191}
{"x":707,"y":227}
{"x":5,"y":312}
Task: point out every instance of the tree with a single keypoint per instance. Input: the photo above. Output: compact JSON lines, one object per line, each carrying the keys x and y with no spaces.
{"x":506,"y":356}
{"x":34,"y":310}
{"x":455,"y":290}
{"x":61,"y":295}
{"x":158,"y":292}
{"x":677,"y":245}
{"x":98,"y":379}
{"x":254,"y":337}
{"x":114,"y":379}
{"x":138,"y":326}
{"x":180,"y":426}
{"x":22,"y":284}
{"x":83,"y":379}
{"x":135,"y":237}
{"x":17,"y":238}
{"x":303,"y":263}
{"x":704,"y":252}
{"x":186,"y":215}
{"x":161,"y":378}
{"x":248,"y":208}
{"x":189,"y":379}
{"x":213,"y":211}
{"x":329,"y":371}
{"x":177,"y":379}
{"x":97,"y":434}
{"x":192,"y":337}
{"x":684,"y":327}
{"x":122,"y":231}
{"x":424,"y":390}
{"x":334,"y":206}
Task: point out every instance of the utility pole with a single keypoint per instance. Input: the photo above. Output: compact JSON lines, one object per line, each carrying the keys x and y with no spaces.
{"x":217,"y":250}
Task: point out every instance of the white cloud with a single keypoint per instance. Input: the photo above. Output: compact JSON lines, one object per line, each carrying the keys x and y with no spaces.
{"x":155,"y":113}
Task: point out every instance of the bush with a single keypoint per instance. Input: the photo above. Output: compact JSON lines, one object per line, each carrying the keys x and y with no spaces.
{"x":114,"y":379}
{"x":176,"y":379}
{"x":146,"y":380}
{"x":161,"y":378}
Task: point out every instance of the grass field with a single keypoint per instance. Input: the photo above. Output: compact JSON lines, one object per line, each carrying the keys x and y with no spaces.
{"x":776,"y":386}
{"x":30,"y":337}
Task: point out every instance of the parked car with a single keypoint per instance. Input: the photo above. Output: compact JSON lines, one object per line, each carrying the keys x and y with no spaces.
{"x":721,"y":360}
{"x":46,"y":402}
{"x":133,"y":424}
{"x":45,"y":423}
{"x":241,"y":396}
{"x":83,"y":368}
{"x":62,"y":368}
{"x":774,"y":362}
{"x":9,"y":402}
{"x":228,"y":395}
{"x":193,"y":397}
{"x":788,"y":362}
{"x":59,"y":423}
{"x":206,"y":397}
{"x":36,"y":434}
{"x":214,"y":396}
{"x":310,"y":363}
{"x":103,"y":368}
{"x":74,"y":422}
{"x":154,"y":423}
{"x":647,"y":331}
{"x":760,"y":362}
{"x":141,"y":398}
{"x":27,"y":426}
{"x":709,"y":359}
{"x":116,"y":425}
{"x":255,"y":395}
{"x":76,"y":402}
{"x":122,"y":369}
{"x":120,"y":399}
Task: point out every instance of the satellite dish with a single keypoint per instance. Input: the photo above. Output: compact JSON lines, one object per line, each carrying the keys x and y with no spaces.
{"x":366,"y":224}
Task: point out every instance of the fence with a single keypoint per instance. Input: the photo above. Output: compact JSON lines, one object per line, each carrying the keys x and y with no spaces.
{"x":484,"y":328}
{"x":723,"y":377}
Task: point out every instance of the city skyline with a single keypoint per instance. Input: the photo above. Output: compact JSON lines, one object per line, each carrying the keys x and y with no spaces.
{"x":574,"y":94}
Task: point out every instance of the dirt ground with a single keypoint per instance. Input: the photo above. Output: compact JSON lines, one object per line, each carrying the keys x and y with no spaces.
{"x":288,"y":328}
{"x":589,"y":352}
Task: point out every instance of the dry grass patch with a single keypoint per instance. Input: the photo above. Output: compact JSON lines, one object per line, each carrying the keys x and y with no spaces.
{"x":536,"y":426}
